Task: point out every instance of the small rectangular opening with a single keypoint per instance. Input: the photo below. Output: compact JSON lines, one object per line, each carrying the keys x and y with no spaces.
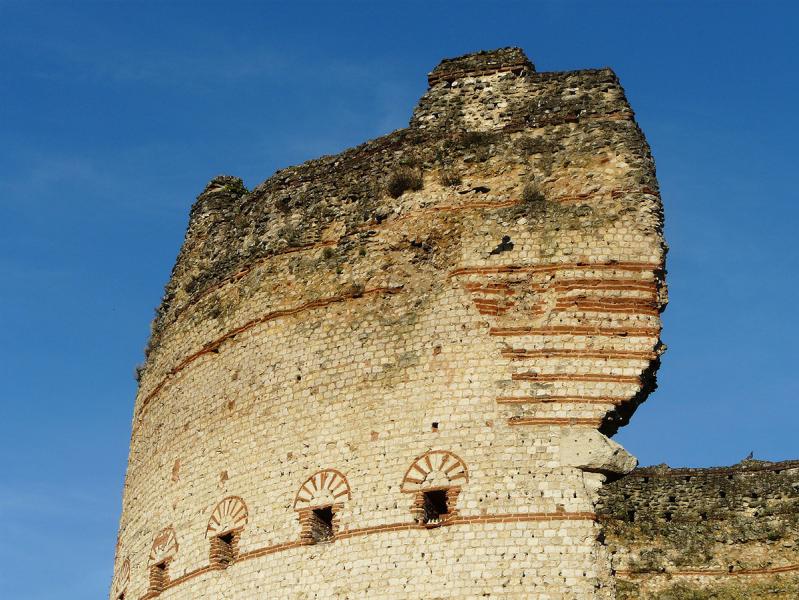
{"x":226,"y":538}
{"x":435,"y":506}
{"x":159,"y":576}
{"x":322,"y":524}
{"x":223,"y":549}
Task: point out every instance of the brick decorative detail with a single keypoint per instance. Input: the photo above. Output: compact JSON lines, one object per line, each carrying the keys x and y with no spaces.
{"x":314,"y":529}
{"x":229,"y":515}
{"x":523,"y":354}
{"x":624,"y":332}
{"x":224,"y":549}
{"x":244,"y":269}
{"x":547,"y":399}
{"x":436,"y":469}
{"x":159,"y":578}
{"x":635,"y":267}
{"x":164,"y":546}
{"x":420,"y":501}
{"x":121,"y":579}
{"x":454,"y":520}
{"x":324,"y":488}
{"x":560,"y":421}
{"x":213,"y":346}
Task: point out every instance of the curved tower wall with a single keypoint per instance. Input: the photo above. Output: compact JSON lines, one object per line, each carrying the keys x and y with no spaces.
{"x":390,"y":372}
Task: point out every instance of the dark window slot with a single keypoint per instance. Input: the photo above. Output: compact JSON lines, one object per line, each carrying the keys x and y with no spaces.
{"x":159,"y":576}
{"x":322,"y":524}
{"x":435,"y":506}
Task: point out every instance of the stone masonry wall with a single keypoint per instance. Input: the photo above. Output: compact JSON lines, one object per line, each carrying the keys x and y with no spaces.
{"x":390,"y":373}
{"x":722,"y":533}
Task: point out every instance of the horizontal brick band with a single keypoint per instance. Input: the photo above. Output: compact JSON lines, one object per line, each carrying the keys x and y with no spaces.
{"x":576,"y":330}
{"x":589,"y":377}
{"x":523,"y":517}
{"x":272,"y":549}
{"x":247,"y":268}
{"x":563,"y":421}
{"x":636,"y":267}
{"x":244,"y":270}
{"x":609,"y":305}
{"x":523,"y":354}
{"x":613,"y":194}
{"x":393,"y":527}
{"x":605,"y":301}
{"x":711,"y":572}
{"x":615,"y":400}
{"x":490,"y":288}
{"x":610,"y":284}
{"x":186,"y":577}
{"x":465,"y":206}
{"x":492,"y":306}
{"x":492,"y":312}
{"x":492,"y":303}
{"x":214,"y":345}
{"x":651,"y":312}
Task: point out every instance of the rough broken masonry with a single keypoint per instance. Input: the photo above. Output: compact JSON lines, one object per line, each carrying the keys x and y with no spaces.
{"x":394,"y":373}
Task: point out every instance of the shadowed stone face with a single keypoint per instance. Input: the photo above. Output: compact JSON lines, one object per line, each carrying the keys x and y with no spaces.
{"x":454,"y":315}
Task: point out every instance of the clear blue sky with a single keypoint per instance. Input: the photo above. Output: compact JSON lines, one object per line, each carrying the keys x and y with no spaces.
{"x":113,"y":116}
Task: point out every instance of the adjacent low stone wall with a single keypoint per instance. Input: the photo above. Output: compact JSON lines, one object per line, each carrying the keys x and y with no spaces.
{"x":721,"y":533}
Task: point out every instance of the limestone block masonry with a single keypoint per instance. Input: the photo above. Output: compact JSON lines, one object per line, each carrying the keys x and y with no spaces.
{"x":392,"y":373}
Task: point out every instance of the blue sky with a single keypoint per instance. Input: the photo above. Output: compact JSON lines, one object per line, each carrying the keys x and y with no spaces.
{"x":113,"y":116}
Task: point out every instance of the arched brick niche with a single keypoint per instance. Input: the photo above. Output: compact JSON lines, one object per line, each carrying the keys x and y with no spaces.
{"x":163,"y":550}
{"x":121,"y":580}
{"x":224,"y":528}
{"x":317,"y":503}
{"x":435,"y":478}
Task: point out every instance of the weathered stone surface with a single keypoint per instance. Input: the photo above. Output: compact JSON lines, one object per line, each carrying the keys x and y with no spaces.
{"x":722,"y":533}
{"x":593,"y":451}
{"x":388,"y":358}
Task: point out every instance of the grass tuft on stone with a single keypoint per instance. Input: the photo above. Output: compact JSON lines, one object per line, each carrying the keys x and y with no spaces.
{"x":402,"y":180}
{"x":531,"y":194}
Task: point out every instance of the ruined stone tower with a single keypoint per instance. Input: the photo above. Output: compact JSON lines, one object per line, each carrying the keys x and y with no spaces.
{"x":391,"y":373}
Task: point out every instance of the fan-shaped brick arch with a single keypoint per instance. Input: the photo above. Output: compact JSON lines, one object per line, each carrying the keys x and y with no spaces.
{"x":324,"y":488}
{"x":165,"y":546}
{"x":436,"y":469}
{"x":230,"y":514}
{"x":122,"y":579}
